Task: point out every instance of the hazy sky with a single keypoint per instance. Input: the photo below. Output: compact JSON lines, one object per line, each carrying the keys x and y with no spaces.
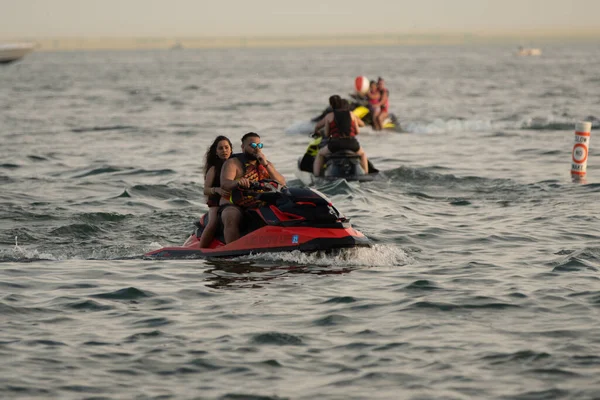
{"x":43,"y":18}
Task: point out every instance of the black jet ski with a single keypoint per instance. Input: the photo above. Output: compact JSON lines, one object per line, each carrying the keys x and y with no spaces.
{"x":282,"y":219}
{"x":343,"y":164}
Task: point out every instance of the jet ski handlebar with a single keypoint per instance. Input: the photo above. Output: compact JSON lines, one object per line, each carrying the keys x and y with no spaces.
{"x":266,"y":185}
{"x":267,"y":190}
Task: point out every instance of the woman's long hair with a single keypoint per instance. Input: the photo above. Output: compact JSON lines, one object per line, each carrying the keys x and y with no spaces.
{"x":211,"y":159}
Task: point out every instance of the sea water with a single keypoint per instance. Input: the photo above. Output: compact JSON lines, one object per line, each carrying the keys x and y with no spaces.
{"x":483,"y":281}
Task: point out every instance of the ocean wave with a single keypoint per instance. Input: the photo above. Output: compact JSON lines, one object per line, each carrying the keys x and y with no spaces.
{"x":96,"y":217}
{"x":108,"y":169}
{"x":165,"y":192}
{"x":103,"y":128}
{"x":146,"y":172}
{"x":10,"y":166}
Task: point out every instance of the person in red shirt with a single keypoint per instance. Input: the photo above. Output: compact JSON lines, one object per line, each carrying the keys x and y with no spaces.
{"x":384,"y":103}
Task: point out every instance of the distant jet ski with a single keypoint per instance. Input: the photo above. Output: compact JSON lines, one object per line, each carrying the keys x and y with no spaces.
{"x":359,"y":106}
{"x":284,"y":219}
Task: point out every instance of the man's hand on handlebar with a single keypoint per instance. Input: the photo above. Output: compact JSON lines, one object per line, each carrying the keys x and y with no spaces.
{"x":244,"y":182}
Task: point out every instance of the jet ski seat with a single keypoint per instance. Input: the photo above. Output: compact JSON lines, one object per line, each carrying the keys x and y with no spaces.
{"x":343,"y":154}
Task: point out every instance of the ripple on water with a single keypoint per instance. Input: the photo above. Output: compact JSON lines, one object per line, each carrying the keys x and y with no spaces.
{"x":153,"y":322}
{"x":103,"y":217}
{"x":9,"y":166}
{"x":332,"y":320}
{"x":144,"y":335}
{"x":98,"y":171}
{"x":340,"y":300}
{"x":249,"y":396}
{"x":383,"y":379}
{"x":6,"y":309}
{"x":77,"y":230}
{"x":103,"y":128}
{"x":539,"y":394}
{"x":130,"y":293}
{"x":441,"y":306}
{"x":89,"y":305}
{"x":276,"y":338}
{"x":44,"y":342}
{"x":37,"y":158}
{"x":517,"y":358}
{"x":422,"y":285}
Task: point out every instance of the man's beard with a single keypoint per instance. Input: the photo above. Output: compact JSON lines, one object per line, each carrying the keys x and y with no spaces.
{"x":250,"y":156}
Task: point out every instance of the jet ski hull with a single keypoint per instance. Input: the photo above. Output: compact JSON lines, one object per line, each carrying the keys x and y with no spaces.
{"x":362,"y":112}
{"x":294,"y":219}
{"x":268,"y":240}
{"x":342,"y":165}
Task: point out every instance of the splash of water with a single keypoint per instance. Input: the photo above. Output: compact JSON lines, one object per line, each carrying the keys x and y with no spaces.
{"x":300,"y":128}
{"x":377,"y":256}
{"x":18,"y":253}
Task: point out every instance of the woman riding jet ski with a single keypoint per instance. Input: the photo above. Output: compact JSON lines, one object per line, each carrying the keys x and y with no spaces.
{"x":279,"y":219}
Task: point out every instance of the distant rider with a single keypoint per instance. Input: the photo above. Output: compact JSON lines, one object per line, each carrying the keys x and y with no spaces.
{"x":374,"y":96}
{"x":334,"y":102}
{"x":341,"y":128}
{"x":384,"y":102}
{"x":240,"y":170}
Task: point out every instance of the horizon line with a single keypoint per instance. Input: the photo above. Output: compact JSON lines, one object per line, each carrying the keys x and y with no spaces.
{"x":122,"y":42}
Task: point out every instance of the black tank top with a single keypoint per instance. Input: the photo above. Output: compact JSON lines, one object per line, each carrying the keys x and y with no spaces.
{"x":214,"y":198}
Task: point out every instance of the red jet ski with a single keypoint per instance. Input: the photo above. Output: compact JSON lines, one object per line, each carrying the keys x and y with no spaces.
{"x":284,"y":219}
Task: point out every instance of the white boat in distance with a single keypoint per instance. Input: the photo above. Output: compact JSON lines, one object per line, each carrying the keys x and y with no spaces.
{"x":529,"y":52}
{"x":14,"y":51}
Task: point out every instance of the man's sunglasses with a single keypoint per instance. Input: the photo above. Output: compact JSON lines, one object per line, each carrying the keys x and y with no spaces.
{"x":255,"y":145}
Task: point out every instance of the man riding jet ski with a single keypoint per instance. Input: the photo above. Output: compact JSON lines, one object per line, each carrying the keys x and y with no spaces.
{"x":279,"y":219}
{"x":239,"y":171}
{"x":260,"y":218}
